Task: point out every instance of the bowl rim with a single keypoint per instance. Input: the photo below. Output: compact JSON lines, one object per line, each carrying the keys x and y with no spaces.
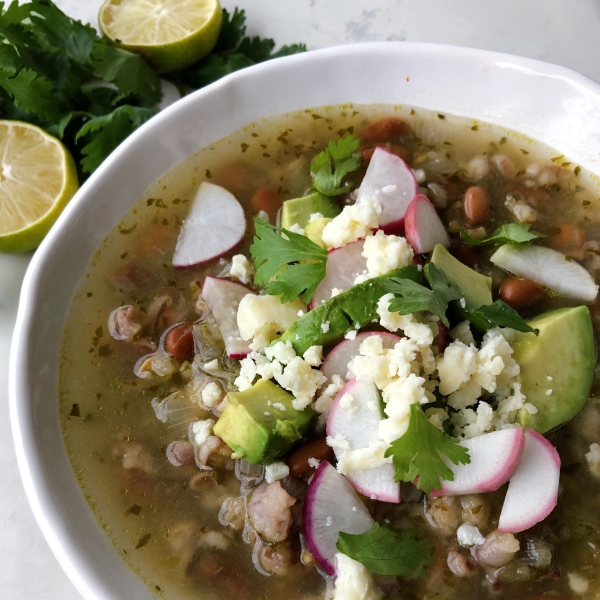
{"x":78,"y":569}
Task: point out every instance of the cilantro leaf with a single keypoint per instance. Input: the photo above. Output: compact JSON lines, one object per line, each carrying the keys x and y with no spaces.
{"x":232,"y":31}
{"x":509,"y":233}
{"x":31,"y":92}
{"x":284,"y":259}
{"x":109,"y":131}
{"x":415,"y":297}
{"x":501,"y":314}
{"x":330,"y":167}
{"x":419,"y":454}
{"x":387,"y":553}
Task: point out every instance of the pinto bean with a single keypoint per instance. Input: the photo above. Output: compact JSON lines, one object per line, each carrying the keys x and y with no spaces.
{"x":385,"y":129}
{"x":520,"y":293}
{"x":367,"y":152}
{"x":266,"y":199}
{"x":459,"y":564}
{"x":476,"y":205}
{"x":297,"y":460}
{"x":444,"y":514}
{"x":568,"y":238}
{"x":180,"y":342}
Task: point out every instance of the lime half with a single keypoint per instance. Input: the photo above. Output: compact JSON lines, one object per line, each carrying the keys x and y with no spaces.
{"x":37,"y":178}
{"x":169,"y":34}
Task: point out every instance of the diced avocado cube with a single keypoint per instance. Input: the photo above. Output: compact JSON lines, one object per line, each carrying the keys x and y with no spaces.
{"x":352,"y":309}
{"x":557,"y":366}
{"x":299,"y":210}
{"x":476,"y":288}
{"x":260,"y":424}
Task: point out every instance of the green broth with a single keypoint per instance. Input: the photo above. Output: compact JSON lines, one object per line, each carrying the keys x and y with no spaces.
{"x":103,"y":404}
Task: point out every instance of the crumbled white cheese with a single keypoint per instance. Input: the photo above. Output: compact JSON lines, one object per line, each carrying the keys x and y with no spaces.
{"x":353,"y":223}
{"x":266,"y":315}
{"x":325,"y":327}
{"x":314,"y":356}
{"x":360,"y":459}
{"x":315,"y":217}
{"x":276,"y":471}
{"x":281,"y":351}
{"x":212,"y":394}
{"x":437,"y":417}
{"x":279,"y":406}
{"x":477,"y":168}
{"x":593,"y":460}
{"x":347,"y":403}
{"x":338,"y":441}
{"x":549,"y":392}
{"x":314,"y":462}
{"x":264,"y":215}
{"x":295,"y":228}
{"x":301,"y":313}
{"x":325,"y":400}
{"x":351,"y":335}
{"x":468,"y":535}
{"x":469,"y":423}
{"x":508,"y":407}
{"x":530,"y":408}
{"x":385,"y":253}
{"x":201,"y":430}
{"x":520,"y":209}
{"x":299,"y":378}
{"x":354,"y":581}
{"x":212,"y":365}
{"x":462,"y":333}
{"x":241,"y":268}
{"x":577,"y":583}
{"x":335,"y":292}
{"x":392,"y":321}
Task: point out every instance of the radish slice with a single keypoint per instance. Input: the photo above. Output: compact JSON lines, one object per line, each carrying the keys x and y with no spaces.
{"x":223,"y":298}
{"x":424,"y":228}
{"x":331,"y":506}
{"x":391,"y":181}
{"x":359,"y":425}
{"x":214,"y":226}
{"x":336,"y":362}
{"x":533,"y":489}
{"x":494,"y":458}
{"x":547,"y":268}
{"x":344,"y":265}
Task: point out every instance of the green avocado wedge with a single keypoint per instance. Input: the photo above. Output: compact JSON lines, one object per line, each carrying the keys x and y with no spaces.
{"x":260,"y":424}
{"x":557,"y":366}
{"x":352,"y":309}
{"x":299,"y":210}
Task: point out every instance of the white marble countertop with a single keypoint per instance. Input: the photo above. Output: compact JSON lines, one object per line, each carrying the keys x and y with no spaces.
{"x":567,"y":33}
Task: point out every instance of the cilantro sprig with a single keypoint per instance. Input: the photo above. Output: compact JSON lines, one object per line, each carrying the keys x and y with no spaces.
{"x":412,"y":297}
{"x":59,"y":74}
{"x":500,"y":314}
{"x":297,"y":264}
{"x":387,"y":553}
{"x":419,"y":454}
{"x":329,"y":167}
{"x":509,"y":233}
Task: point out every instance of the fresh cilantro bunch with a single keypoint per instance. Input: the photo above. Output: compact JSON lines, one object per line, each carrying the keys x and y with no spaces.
{"x":59,"y":74}
{"x":289,"y":266}
{"x":387,"y":553}
{"x":418,"y":455}
{"x":329,"y":167}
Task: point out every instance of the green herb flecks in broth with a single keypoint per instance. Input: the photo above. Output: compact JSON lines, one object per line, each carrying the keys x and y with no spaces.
{"x":166,"y":521}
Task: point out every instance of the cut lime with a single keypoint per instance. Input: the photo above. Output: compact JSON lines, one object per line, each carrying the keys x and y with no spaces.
{"x":169,"y":34}
{"x":37,"y":178}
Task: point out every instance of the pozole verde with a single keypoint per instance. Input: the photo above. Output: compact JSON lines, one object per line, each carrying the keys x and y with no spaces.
{"x":400,"y":301}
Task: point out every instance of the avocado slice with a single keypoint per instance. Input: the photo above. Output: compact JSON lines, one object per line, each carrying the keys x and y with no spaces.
{"x":352,"y":309}
{"x":314,"y":231}
{"x":476,"y":288}
{"x":299,"y":210}
{"x":564,"y":351}
{"x":260,"y":424}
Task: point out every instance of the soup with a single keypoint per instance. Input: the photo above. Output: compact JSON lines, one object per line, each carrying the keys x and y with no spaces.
{"x":370,"y":373}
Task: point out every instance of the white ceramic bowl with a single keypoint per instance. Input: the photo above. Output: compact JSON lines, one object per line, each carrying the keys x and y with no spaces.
{"x":545,"y":102}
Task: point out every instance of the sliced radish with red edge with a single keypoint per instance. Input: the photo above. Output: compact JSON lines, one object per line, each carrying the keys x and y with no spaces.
{"x":390,"y":180}
{"x":359,"y":425}
{"x":336,"y":362}
{"x":494,"y":458}
{"x":343,"y":266}
{"x":331,"y":506}
{"x":533,"y":489}
{"x":214,"y":226}
{"x":223,"y":298}
{"x":423,"y":227}
{"x":547,"y":268}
